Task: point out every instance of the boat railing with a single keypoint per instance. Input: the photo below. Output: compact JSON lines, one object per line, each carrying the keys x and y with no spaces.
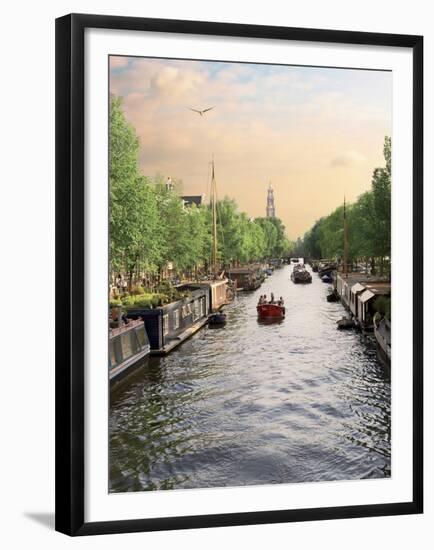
{"x":124,"y":328}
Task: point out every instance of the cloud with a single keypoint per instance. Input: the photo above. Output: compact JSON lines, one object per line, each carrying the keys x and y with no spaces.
{"x":118,"y":62}
{"x":283,"y":124}
{"x":347,"y":159}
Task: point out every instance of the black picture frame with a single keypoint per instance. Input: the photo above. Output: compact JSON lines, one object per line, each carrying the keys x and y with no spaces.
{"x":70,"y":283}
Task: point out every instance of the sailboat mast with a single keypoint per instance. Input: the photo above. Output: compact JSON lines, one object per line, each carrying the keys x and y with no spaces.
{"x":345,"y":241}
{"x":214,"y":221}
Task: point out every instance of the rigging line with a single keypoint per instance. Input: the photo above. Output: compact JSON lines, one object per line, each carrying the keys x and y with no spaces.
{"x":217,"y":218}
{"x":207,"y":188}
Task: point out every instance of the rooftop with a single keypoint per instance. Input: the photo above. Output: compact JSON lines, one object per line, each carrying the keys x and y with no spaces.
{"x":193,"y":199}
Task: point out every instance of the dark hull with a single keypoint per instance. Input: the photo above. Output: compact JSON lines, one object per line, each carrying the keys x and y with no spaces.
{"x":128,"y":347}
{"x":217,"y":320}
{"x":298,"y":281}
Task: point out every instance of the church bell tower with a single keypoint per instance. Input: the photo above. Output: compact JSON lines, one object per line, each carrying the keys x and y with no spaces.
{"x":270,"y":210}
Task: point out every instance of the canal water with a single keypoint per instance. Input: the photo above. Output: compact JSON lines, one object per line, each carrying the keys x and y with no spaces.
{"x":252,"y":403}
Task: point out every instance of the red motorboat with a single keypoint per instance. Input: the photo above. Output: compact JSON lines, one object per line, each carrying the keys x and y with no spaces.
{"x":270,"y":311}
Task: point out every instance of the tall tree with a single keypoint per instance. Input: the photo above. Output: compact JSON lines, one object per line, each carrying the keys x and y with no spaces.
{"x":133,"y":217}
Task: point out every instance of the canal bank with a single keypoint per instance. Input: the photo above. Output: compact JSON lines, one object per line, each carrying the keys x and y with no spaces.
{"x":251,"y":403}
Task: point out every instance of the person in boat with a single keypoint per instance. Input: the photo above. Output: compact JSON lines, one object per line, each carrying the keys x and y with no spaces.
{"x":272,"y":298}
{"x":280,"y":302}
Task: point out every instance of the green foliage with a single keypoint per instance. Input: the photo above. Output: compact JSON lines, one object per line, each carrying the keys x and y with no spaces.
{"x":368,"y":219}
{"x":382,"y":305}
{"x":136,"y":290}
{"x":150,"y":227}
{"x":115,"y":302}
{"x":145,"y":300}
{"x":128,"y":300}
{"x":133,"y":217}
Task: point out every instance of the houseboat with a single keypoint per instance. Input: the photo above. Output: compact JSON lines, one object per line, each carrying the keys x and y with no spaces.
{"x":366,"y":303}
{"x":382,"y":332}
{"x":349,"y":286}
{"x":169,"y":325}
{"x":219,"y":292}
{"x":128,"y":347}
{"x":246,"y":278}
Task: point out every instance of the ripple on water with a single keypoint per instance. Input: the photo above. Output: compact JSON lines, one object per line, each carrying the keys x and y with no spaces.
{"x":250,"y":404}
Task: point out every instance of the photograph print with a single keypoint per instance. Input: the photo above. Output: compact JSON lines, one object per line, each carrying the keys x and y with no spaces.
{"x":249,"y":274}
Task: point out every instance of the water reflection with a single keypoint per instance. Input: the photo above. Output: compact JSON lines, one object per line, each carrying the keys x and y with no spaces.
{"x":252,"y":403}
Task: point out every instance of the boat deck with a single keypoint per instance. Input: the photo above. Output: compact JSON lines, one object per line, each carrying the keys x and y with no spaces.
{"x":176,"y":341}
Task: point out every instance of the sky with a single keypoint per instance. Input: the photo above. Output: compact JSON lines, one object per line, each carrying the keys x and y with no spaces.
{"x":316,"y":134}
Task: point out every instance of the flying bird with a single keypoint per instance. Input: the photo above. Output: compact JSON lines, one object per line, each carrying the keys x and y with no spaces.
{"x":201,"y":112}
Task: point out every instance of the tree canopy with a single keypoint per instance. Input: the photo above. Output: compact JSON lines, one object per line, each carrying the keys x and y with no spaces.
{"x":368,"y":219}
{"x":150,"y":226}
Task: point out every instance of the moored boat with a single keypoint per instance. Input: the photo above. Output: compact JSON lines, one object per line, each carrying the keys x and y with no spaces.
{"x":346,"y":323}
{"x":270,"y":311}
{"x":246,"y":278}
{"x":128,"y":345}
{"x":169,"y":325}
{"x":217,"y":319}
{"x":382,"y":332}
{"x":332,"y":297}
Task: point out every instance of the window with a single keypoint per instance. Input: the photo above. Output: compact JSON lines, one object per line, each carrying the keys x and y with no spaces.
{"x":113,"y":361}
{"x":165,"y":324}
{"x":176,"y":319}
{"x":196,"y":310}
{"x":140,"y":333}
{"x":127,"y":347}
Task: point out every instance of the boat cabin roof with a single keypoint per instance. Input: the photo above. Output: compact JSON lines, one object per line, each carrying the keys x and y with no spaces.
{"x":357,"y":288}
{"x":240,"y":270}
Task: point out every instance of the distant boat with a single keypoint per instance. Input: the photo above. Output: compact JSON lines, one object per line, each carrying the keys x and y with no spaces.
{"x":270,"y":311}
{"x":301,"y":275}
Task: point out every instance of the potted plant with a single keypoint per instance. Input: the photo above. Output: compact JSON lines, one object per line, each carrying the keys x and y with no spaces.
{"x":115,"y":309}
